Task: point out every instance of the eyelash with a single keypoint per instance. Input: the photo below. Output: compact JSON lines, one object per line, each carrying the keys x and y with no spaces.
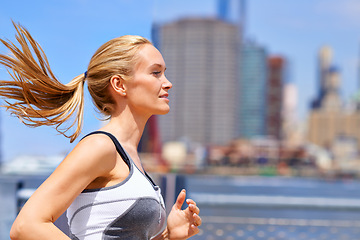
{"x":156,"y":73}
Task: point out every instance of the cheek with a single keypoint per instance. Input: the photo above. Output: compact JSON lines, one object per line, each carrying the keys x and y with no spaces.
{"x":142,"y":82}
{"x":145,"y":93}
{"x":149,"y":87}
{"x":144,"y":87}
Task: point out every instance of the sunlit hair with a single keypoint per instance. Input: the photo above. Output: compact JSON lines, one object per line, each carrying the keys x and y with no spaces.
{"x":38,"y":98}
{"x":116,"y":57}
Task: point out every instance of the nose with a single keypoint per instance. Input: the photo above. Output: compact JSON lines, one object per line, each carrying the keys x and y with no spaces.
{"x":166,"y":84}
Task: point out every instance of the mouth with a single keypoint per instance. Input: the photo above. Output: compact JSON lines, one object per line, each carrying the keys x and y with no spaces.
{"x":164,"y":95}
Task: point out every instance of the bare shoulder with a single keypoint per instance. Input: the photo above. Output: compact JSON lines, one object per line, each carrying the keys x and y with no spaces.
{"x":93,"y":157}
{"x":96,"y":152}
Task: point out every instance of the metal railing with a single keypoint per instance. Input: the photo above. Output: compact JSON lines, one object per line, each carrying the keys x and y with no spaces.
{"x":277,"y":228}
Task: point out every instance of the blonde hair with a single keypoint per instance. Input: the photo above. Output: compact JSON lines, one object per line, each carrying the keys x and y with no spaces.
{"x":36,"y":96}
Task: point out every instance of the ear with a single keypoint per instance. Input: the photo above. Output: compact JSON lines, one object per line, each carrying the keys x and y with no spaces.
{"x":117,"y":84}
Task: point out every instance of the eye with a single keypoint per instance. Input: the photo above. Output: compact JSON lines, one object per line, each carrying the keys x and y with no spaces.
{"x":156,"y":73}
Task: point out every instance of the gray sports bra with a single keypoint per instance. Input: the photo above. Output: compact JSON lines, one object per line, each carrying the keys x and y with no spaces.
{"x":131,"y":210}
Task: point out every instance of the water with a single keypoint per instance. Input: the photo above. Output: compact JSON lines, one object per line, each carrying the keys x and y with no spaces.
{"x":272,"y":208}
{"x":247,"y":208}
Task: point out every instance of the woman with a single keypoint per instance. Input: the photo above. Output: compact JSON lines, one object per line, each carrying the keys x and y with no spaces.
{"x":101,"y":183}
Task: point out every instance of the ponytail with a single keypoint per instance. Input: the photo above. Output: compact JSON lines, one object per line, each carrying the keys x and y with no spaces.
{"x":34,"y":94}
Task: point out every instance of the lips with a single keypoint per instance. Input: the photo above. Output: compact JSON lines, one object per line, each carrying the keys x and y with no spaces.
{"x":164,"y":95}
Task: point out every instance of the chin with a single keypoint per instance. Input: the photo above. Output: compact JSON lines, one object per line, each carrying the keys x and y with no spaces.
{"x":162,"y":111}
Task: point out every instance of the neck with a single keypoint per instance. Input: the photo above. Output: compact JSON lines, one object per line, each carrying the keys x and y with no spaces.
{"x":127,"y":127}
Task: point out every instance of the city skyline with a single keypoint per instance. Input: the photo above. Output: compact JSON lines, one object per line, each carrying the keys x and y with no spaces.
{"x":70,"y":31}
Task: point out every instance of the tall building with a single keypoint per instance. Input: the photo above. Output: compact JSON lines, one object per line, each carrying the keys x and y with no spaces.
{"x":291,"y":130}
{"x":328,"y":121}
{"x":325,"y":127}
{"x":201,"y":60}
{"x":233,"y":11}
{"x":253,"y":91}
{"x":324,"y":61}
{"x":223,"y":10}
{"x":275,"y":82}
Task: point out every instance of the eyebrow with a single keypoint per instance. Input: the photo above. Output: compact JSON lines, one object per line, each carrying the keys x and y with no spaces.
{"x":157,"y":65}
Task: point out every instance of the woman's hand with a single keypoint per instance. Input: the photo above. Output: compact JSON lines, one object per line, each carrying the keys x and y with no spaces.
{"x":182,"y":224}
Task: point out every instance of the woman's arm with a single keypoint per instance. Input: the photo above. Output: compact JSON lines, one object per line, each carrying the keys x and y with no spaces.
{"x":94,"y":156}
{"x":181,"y":224}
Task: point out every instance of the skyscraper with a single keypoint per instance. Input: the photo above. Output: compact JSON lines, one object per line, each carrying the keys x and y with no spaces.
{"x":275,"y":82}
{"x":328,"y":121}
{"x":328,"y":97}
{"x":224,"y":10}
{"x":324,"y":72}
{"x":232,"y":11}
{"x":201,"y":60}
{"x":253,"y":91}
{"x":291,"y":131}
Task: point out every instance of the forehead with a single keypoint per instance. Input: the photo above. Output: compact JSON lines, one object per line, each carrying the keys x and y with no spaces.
{"x":148,"y":56}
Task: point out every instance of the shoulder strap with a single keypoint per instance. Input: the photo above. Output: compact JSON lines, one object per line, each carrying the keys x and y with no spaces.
{"x":150,"y":179}
{"x":118,"y":146}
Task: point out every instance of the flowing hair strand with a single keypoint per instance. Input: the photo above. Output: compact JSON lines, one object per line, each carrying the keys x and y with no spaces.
{"x":34,"y":94}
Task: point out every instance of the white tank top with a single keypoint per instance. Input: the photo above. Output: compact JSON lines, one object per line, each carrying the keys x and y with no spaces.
{"x":131,"y":210}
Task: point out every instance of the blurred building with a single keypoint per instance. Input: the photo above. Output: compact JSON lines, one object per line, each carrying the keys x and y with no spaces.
{"x":291,"y":130}
{"x":233,"y":11}
{"x":201,"y":60}
{"x":326,"y":126}
{"x":346,"y":149}
{"x":324,"y":59}
{"x":253,"y":91}
{"x":339,"y":133}
{"x":328,"y":121}
{"x":275,"y":88}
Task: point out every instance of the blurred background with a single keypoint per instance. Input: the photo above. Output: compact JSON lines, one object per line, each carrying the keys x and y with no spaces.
{"x":265,"y":107}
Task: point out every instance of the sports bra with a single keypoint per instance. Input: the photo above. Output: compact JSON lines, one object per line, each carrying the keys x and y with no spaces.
{"x":130,"y":210}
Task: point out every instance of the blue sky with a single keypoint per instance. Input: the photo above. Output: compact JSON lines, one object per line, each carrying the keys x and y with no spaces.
{"x":71,"y":30}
